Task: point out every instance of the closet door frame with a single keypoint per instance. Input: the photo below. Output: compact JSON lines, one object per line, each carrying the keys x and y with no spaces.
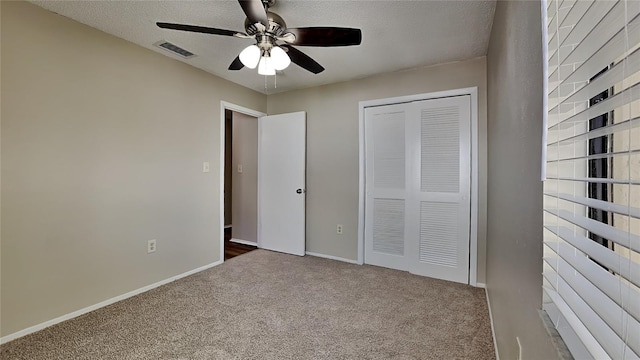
{"x":473,"y":236}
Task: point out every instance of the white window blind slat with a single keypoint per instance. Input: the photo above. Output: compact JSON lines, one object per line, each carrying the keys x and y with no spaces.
{"x":584,"y":27}
{"x":554,"y":159}
{"x":592,"y":345}
{"x":599,"y":204}
{"x":629,"y":95}
{"x":602,"y":57}
{"x":603,"y":306}
{"x":554,"y":64}
{"x":552,"y":23}
{"x":551,"y":4}
{"x":599,"y":180}
{"x":594,"y":30}
{"x":609,"y":232}
{"x":566,"y":4}
{"x":630,"y":65}
{"x":577,"y":348}
{"x":610,"y":341}
{"x":603,"y":131}
{"x":576,"y":12}
{"x":551,"y":276}
{"x":583,"y":316}
{"x":603,"y":288}
{"x":606,"y":257}
{"x":552,"y":53}
{"x":551,"y":7}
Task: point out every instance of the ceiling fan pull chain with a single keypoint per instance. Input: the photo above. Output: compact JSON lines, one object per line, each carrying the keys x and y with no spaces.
{"x":275,"y":81}
{"x":265,"y":83}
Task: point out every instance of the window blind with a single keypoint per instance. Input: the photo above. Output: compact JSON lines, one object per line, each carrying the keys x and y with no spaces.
{"x":591,"y":235}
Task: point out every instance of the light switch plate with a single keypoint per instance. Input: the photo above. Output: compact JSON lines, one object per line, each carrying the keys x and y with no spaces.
{"x":239,"y":169}
{"x":205,"y":167}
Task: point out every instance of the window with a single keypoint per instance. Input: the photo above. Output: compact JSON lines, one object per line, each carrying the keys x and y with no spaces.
{"x":591,"y":265}
{"x":599,"y":166}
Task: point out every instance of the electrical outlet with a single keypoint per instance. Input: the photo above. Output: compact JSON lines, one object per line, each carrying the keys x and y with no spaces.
{"x":339,"y":229}
{"x":151,"y":246}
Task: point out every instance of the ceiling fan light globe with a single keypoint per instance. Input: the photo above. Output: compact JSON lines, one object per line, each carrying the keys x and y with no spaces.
{"x":266,"y":66}
{"x":279,"y":58}
{"x":250,"y":56}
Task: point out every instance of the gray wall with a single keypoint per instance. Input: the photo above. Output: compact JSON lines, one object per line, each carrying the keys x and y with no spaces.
{"x":245,"y":185}
{"x":514,"y":223}
{"x":332,"y":146}
{"x":102,"y":149}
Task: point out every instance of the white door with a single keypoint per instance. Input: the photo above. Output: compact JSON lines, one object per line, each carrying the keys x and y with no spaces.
{"x":418,"y":174}
{"x":386,"y":174}
{"x":281,"y":182}
{"x":439,"y":212}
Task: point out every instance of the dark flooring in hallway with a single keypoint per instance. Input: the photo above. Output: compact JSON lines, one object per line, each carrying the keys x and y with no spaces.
{"x":232,"y":249}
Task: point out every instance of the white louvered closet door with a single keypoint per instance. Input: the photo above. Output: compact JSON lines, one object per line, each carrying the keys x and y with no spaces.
{"x":386,"y":174}
{"x":439,"y":190}
{"x":418,"y":174}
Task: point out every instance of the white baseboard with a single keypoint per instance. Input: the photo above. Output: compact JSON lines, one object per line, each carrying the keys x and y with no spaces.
{"x":481,"y":285}
{"x":244,"y":242}
{"x":493,"y":330}
{"x":332,"y":257}
{"x":101,"y":304}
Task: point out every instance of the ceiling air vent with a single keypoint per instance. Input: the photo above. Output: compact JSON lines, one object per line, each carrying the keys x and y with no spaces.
{"x":174,"y":49}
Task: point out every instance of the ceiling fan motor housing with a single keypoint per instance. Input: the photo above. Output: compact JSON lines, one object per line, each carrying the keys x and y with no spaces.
{"x":277,"y":26}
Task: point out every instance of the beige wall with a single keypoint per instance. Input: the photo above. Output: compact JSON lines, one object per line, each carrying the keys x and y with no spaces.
{"x":102,"y":149}
{"x":245,"y":185}
{"x":514,"y":224}
{"x":332,"y":146}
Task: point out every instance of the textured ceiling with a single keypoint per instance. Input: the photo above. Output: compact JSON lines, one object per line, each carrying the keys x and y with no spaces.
{"x":397,"y":34}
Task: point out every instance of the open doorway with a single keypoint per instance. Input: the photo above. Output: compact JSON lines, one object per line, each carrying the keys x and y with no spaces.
{"x":240,"y":180}
{"x":273,"y":219}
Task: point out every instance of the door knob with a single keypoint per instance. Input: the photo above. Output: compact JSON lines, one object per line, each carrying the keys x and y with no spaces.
{"x":299,"y":191}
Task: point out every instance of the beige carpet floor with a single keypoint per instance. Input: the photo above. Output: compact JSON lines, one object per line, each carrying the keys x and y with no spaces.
{"x":266,"y":305}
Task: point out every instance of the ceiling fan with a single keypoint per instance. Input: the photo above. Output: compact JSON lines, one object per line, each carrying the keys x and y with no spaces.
{"x":274,"y":49}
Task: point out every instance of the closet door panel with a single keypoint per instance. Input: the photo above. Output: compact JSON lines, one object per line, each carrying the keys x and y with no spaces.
{"x":385,"y":202}
{"x":439,"y":192}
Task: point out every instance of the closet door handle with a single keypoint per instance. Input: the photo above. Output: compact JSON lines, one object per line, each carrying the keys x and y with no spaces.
{"x":299,"y":191}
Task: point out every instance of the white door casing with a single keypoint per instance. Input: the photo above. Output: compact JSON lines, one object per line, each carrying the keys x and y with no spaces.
{"x":418,"y":183}
{"x":224,"y":105}
{"x":281,"y":182}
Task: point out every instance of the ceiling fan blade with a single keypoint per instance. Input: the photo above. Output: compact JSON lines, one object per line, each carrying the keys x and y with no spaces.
{"x":236,"y":64}
{"x":255,"y":11}
{"x":198,"y":29}
{"x":303,"y":60}
{"x":326,"y":36}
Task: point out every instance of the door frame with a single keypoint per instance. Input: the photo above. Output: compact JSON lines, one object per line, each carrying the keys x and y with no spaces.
{"x":224,"y":105}
{"x":473,"y":235}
